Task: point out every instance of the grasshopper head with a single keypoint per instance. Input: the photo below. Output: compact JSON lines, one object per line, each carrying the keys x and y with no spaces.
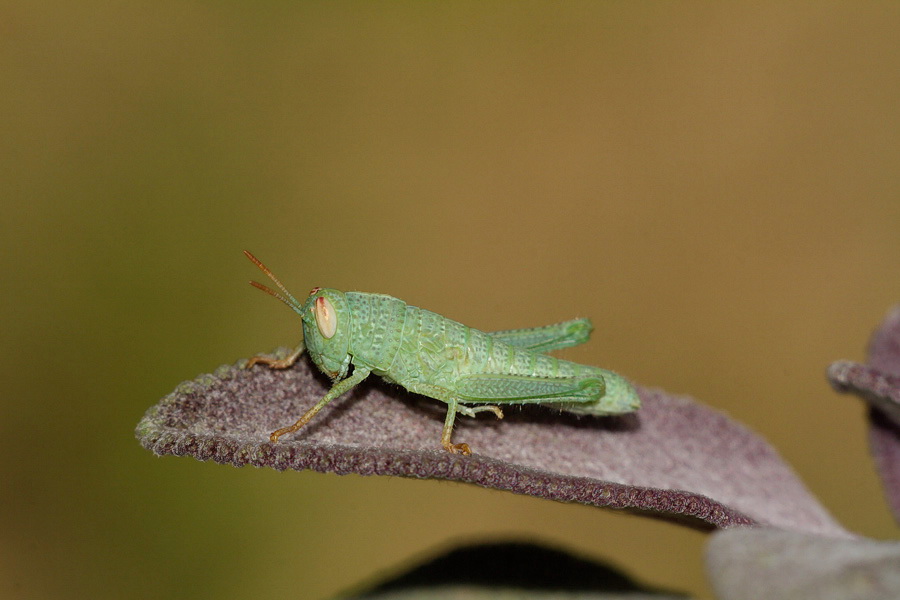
{"x":326,"y":331}
{"x":326,"y":323}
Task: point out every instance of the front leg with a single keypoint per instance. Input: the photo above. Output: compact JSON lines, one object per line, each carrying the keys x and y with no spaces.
{"x":336,"y":390}
{"x":278,"y":363}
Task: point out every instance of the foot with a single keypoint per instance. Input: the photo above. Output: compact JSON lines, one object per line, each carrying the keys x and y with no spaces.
{"x":457,"y":448}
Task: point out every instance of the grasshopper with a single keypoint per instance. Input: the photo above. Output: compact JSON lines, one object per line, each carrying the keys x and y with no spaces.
{"x":470,"y":370}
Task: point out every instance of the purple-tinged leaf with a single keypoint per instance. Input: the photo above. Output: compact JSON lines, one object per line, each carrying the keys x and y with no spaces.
{"x":745,"y":564}
{"x":674,"y":458}
{"x":884,"y":440}
{"x":880,"y":390}
{"x":884,"y":349}
{"x":468,"y":592}
{"x":522,"y":571}
{"x":878,"y":382}
{"x":471,"y":592}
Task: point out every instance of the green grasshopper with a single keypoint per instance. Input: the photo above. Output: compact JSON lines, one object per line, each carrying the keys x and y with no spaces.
{"x":437,"y":357}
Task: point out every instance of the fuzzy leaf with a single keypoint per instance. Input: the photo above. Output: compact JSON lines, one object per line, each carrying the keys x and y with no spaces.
{"x":674,"y":458}
{"x":878,"y":383}
{"x":520,"y":571}
{"x":747,"y":564}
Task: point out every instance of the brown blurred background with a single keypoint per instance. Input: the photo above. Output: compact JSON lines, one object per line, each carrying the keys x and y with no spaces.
{"x":716,"y":186}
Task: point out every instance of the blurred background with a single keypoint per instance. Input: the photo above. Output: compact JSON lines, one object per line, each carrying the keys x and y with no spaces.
{"x":716,"y":186}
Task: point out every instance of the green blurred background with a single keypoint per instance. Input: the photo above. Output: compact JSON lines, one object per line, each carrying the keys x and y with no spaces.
{"x":716,"y":186}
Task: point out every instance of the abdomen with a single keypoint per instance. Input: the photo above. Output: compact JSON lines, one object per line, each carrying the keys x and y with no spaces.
{"x":436,"y":350}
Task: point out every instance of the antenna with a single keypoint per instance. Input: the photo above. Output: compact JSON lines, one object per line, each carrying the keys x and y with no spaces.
{"x":290,"y":300}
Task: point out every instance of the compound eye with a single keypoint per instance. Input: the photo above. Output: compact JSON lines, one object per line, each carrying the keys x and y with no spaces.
{"x":326,"y":318}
